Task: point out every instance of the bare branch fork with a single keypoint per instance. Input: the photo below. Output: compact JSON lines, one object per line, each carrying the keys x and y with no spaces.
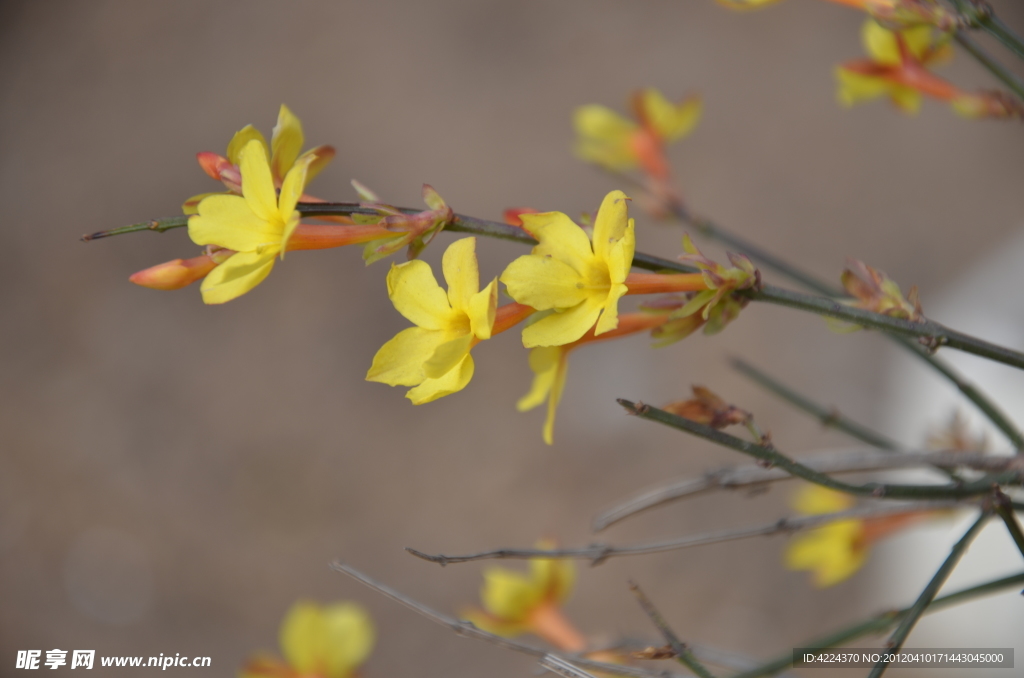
{"x":598,"y":553}
{"x":772,"y":457}
{"x":754,"y":477}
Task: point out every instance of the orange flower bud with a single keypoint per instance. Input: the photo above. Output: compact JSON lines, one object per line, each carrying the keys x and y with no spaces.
{"x":173,"y":275}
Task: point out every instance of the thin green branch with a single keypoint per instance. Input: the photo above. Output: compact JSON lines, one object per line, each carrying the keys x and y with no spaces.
{"x":989,"y":62}
{"x":682,"y":652}
{"x":932,"y":333}
{"x":1004,"y":507}
{"x":768,"y":260}
{"x":773,"y":457}
{"x":827,"y":416}
{"x":909,"y":620}
{"x":978,"y":14}
{"x":881,"y":623}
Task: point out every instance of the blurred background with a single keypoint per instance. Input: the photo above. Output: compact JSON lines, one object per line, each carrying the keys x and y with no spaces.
{"x":173,"y":476}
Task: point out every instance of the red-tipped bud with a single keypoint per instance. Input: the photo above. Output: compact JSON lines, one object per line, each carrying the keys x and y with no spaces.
{"x":512,"y":214}
{"x":173,"y":275}
{"x":220,"y":168}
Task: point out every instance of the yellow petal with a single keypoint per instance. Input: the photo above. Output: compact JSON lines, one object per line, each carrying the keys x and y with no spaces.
{"x":610,"y":224}
{"x":483,"y":307}
{"x":237,"y":275}
{"x":461,"y":272}
{"x":880,"y":43}
{"x":302,"y":637}
{"x":291,"y":191}
{"x":833,"y":552}
{"x":906,"y":98}
{"x":257,"y":185}
{"x":455,"y":380}
{"x":322,"y":156}
{"x":285,"y":142}
{"x":671,"y":121}
{"x":350,"y":637}
{"x":191,"y":206}
{"x":854,"y":88}
{"x":400,"y":361}
{"x":544,"y":283}
{"x":447,"y":356}
{"x":544,"y":363}
{"x":560,"y":238}
{"x":228,"y":221}
{"x":815,"y":500}
{"x":509,"y":595}
{"x":416,"y":295}
{"x":241,"y":138}
{"x":557,"y":387}
{"x":620,"y":255}
{"x":610,"y":313}
{"x":604,"y":137}
{"x":555,"y":576}
{"x":563,"y":327}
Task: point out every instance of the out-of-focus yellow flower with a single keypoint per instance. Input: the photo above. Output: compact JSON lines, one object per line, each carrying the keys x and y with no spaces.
{"x":285,"y":152}
{"x":515,"y":602}
{"x":580,"y":281}
{"x":256,"y":225}
{"x":834,"y":552}
{"x":612,"y":141}
{"x":746,"y":4}
{"x":434,"y":356}
{"x":329,"y":641}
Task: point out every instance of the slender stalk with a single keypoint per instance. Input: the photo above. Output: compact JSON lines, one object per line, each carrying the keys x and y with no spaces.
{"x":881,"y":623}
{"x":931,"y":333}
{"x":598,"y":553}
{"x":980,"y":15}
{"x":909,"y":620}
{"x":682,"y":652}
{"x":828,"y":417}
{"x":775,"y":458}
{"x":1004,"y":507}
{"x":1007,"y":77}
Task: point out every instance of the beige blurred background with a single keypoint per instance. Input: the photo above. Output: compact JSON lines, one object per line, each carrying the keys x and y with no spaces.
{"x":174,"y":476}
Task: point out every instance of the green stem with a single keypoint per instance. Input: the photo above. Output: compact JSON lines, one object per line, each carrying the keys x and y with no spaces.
{"x":682,"y":652}
{"x":775,"y":458}
{"x":881,"y":623}
{"x":828,"y":417}
{"x":1003,"y":33}
{"x":1004,"y":507}
{"x":932,"y":333}
{"x":909,"y":620}
{"x":989,"y":62}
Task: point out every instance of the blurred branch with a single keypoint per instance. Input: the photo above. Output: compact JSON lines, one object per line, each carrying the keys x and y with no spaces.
{"x":989,"y":62}
{"x":909,"y":620}
{"x":1004,"y":507}
{"x":468,"y":630}
{"x":754,"y":476}
{"x":598,"y":553}
{"x":881,"y":623}
{"x":773,"y":457}
{"x":829,"y":417}
{"x":682,"y":652}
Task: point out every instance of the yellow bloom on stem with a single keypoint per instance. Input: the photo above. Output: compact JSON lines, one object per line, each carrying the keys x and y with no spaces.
{"x":329,"y":641}
{"x":617,"y":143}
{"x":580,"y":281}
{"x":434,"y":356}
{"x":515,"y":602}
{"x":256,"y":225}
{"x":834,"y":552}
{"x":285,"y":152}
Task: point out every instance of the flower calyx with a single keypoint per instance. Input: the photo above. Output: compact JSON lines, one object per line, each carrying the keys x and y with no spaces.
{"x":415,"y":230}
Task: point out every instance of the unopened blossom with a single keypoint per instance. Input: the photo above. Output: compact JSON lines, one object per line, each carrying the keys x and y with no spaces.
{"x":577,"y":279}
{"x":285,"y":151}
{"x":708,"y":408}
{"x":329,"y":641}
{"x":434,"y":356}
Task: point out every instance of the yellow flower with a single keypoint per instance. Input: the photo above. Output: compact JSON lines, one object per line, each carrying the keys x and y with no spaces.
{"x":285,"y":146}
{"x":318,"y":642}
{"x":579,"y":281}
{"x":746,"y":4}
{"x":612,"y":141}
{"x":256,"y":225}
{"x":434,"y":356}
{"x":515,"y":602}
